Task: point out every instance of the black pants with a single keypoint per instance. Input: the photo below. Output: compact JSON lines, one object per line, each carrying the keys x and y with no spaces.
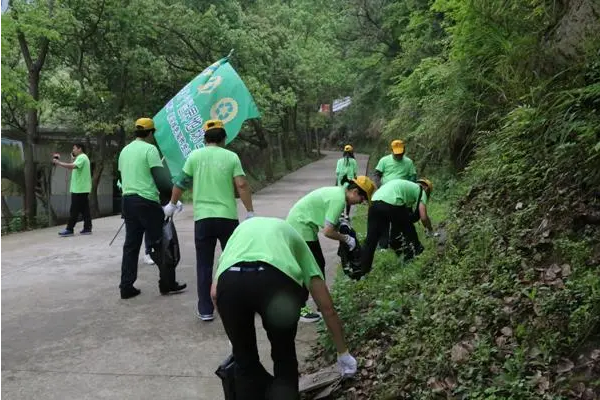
{"x":142,"y":216}
{"x":207,"y":231}
{"x":277,"y":299}
{"x":80,"y":204}
{"x":384,"y":240}
{"x":147,"y":245}
{"x":404,"y":238}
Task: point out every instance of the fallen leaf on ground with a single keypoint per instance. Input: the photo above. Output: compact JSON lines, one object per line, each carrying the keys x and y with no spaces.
{"x":459,"y":353}
{"x":436,"y":385}
{"x":506,"y":331}
{"x":565,"y":365}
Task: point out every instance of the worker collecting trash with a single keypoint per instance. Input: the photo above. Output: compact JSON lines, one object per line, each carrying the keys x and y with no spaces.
{"x":142,"y":175}
{"x":394,"y":166}
{"x":265,"y":274}
{"x":322,"y":208}
{"x":400,"y":203}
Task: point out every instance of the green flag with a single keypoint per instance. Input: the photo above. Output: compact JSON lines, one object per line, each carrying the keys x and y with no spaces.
{"x":218,"y":92}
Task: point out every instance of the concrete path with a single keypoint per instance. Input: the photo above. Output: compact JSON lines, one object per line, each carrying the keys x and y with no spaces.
{"x":66,"y":334}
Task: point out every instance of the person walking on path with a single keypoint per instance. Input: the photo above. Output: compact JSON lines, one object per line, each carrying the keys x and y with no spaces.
{"x":394,"y":166}
{"x":399,"y":203}
{"x":142,"y":178}
{"x":147,"y":244}
{"x":322,"y":208}
{"x":263,"y":270}
{"x":346,"y":169}
{"x":215,"y":173}
{"x":81,"y":186}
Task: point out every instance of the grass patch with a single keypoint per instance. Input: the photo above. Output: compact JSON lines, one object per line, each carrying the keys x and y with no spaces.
{"x":475,"y":318}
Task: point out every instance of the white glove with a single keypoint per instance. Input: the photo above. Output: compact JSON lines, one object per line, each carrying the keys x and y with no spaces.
{"x":170,"y":209}
{"x":347,"y":365}
{"x":350,"y":241}
{"x":179,"y":206}
{"x":249,"y":214}
{"x":432,"y":234}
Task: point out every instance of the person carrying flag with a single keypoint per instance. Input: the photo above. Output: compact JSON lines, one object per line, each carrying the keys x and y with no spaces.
{"x":215,"y":173}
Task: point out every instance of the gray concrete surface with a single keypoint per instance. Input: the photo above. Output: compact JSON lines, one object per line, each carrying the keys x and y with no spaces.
{"x":66,"y":334}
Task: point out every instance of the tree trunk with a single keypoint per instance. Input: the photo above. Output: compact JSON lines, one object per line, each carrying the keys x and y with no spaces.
{"x":271,"y":149}
{"x":308,"y":139}
{"x":99,"y":160}
{"x":96,"y":176}
{"x":280,"y":145}
{"x":285,"y":126}
{"x":43,"y":191}
{"x":317,"y":142}
{"x":33,"y":72}
{"x":265,"y":147}
{"x":293,"y":115}
{"x":30,"y":207}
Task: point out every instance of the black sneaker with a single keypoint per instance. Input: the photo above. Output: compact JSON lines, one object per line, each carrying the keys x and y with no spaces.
{"x":65,"y":233}
{"x":130,"y":292}
{"x":176,"y":288}
{"x":86,"y":232}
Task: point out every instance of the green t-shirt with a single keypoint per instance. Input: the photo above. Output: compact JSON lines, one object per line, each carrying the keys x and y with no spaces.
{"x":346,"y":166}
{"x":315,"y":209}
{"x":272,"y":241}
{"x":135,"y":161}
{"x":213,"y":169}
{"x":81,"y":177}
{"x":400,"y":192}
{"x":392,"y":169}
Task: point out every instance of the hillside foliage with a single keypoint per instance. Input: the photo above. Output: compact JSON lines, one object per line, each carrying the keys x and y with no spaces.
{"x":499,"y":103}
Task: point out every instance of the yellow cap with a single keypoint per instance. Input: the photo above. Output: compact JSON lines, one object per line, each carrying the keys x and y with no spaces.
{"x":366,"y":184}
{"x":144,"y":124}
{"x":348,"y":148}
{"x":213,"y":124}
{"x":398,"y":147}
{"x":428,"y":183}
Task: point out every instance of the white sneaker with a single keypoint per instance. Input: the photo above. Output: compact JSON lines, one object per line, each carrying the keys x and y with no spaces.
{"x":205,"y":317}
{"x":307,"y":315}
{"x":148,"y":260}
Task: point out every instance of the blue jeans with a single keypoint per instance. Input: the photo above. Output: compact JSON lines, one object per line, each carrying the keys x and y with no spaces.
{"x":206,"y":233}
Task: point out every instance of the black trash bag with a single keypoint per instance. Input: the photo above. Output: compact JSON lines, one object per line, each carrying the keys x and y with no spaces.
{"x":350,"y":259}
{"x":169,"y":254}
{"x":226,"y":373}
